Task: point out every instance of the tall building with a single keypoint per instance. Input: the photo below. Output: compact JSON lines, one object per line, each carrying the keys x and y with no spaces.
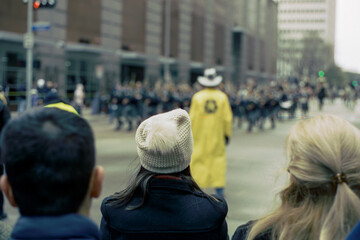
{"x":306,"y":37}
{"x":101,"y":42}
{"x":255,"y":40}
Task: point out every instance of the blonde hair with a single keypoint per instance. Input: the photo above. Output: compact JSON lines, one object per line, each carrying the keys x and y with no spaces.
{"x":313,"y":205}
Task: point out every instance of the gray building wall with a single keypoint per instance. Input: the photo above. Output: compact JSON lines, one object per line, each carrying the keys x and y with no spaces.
{"x":184,"y":41}
{"x":105,"y":52}
{"x":228,"y":40}
{"x":52,"y":54}
{"x":256,"y":22}
{"x":257,"y":35}
{"x":111,"y":30}
{"x":209,"y":34}
{"x":153,"y":39}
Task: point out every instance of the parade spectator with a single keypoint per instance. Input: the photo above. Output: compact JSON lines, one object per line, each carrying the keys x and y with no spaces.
{"x":4,"y":118}
{"x":21,"y":97}
{"x":128,"y":110}
{"x":321,"y":93}
{"x":2,"y":95}
{"x":163,"y":201}
{"x":52,"y":100}
{"x":117,"y":98}
{"x":79,"y":98}
{"x":321,"y":200}
{"x":51,"y":176}
{"x":211,"y":119}
{"x":251,"y":106}
{"x":304,"y":102}
{"x":49,"y":85}
{"x":151,"y":102}
{"x":41,"y":89}
{"x":34,"y":97}
{"x":139,"y":93}
{"x":113,"y":107}
{"x":96,"y":104}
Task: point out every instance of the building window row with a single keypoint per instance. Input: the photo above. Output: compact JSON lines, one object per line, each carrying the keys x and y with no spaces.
{"x":290,"y":49}
{"x":285,"y":31}
{"x":302,"y":11}
{"x":302,"y":1}
{"x":302,"y":21}
{"x":289,"y":41}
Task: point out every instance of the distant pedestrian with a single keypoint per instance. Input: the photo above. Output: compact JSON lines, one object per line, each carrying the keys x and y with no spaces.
{"x":96,"y":104}
{"x":2,"y":95}
{"x":321,"y":93}
{"x":52,"y":100}
{"x":113,"y":107}
{"x":163,"y":201}
{"x":79,"y":98}
{"x":322,"y":199}
{"x":211,"y":119}
{"x":4,"y":118}
{"x":21,"y":97}
{"x":41,"y":90}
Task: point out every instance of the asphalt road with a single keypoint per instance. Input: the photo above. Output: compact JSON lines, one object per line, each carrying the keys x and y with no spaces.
{"x":255,"y":171}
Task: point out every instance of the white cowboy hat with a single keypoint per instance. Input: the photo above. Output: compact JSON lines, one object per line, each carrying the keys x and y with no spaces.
{"x":210,"y":79}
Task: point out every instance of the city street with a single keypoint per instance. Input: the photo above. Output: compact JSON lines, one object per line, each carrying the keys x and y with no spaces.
{"x":134,"y":58}
{"x":256,"y":163}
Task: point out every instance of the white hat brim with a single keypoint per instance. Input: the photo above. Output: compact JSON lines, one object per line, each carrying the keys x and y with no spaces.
{"x":204,"y":81}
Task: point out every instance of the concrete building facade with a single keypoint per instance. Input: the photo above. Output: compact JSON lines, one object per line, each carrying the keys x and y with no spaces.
{"x":300,"y":23}
{"x":101,"y":42}
{"x":255,"y":40}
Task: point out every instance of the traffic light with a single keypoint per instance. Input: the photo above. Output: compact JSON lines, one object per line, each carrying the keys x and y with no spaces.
{"x":321,"y":74}
{"x":42,"y":3}
{"x":36,"y":4}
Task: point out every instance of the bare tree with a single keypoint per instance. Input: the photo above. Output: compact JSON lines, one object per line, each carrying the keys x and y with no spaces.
{"x":315,"y":55}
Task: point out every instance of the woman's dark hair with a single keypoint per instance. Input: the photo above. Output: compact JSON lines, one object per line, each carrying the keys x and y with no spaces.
{"x":140,"y":184}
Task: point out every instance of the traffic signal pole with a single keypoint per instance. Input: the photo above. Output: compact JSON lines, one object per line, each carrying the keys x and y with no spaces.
{"x":29,"y":53}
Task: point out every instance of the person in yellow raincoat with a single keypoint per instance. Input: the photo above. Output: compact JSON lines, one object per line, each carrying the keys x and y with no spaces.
{"x":211,"y":122}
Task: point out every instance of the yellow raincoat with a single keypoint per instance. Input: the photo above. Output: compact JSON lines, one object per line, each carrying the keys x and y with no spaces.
{"x":211,"y":121}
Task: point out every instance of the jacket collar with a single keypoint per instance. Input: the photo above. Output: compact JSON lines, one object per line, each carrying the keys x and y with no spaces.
{"x":68,"y":226}
{"x":157,"y":184}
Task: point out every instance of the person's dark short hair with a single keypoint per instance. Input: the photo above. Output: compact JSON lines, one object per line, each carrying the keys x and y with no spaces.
{"x":51,"y":97}
{"x":49,"y":156}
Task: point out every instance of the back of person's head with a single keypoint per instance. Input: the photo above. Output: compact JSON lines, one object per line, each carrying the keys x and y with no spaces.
{"x":165,"y":142}
{"x":324,"y":159}
{"x":164,"y":145}
{"x":52,"y":97}
{"x":49,"y":156}
{"x":53,"y":100}
{"x":322,"y":198}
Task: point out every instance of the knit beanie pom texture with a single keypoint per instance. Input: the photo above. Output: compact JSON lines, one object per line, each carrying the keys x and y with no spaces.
{"x":164,"y":142}
{"x":162,"y":135}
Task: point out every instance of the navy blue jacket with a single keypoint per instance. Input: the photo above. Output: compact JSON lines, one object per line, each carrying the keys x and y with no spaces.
{"x":171,"y":211}
{"x":355,"y":233}
{"x":242,"y":232}
{"x":69,"y":226}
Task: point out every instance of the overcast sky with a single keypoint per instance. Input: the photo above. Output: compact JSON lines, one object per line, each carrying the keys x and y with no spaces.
{"x":347,"y":35}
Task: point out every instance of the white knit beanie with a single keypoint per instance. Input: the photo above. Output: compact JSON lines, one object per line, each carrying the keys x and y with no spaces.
{"x":165,"y":142}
